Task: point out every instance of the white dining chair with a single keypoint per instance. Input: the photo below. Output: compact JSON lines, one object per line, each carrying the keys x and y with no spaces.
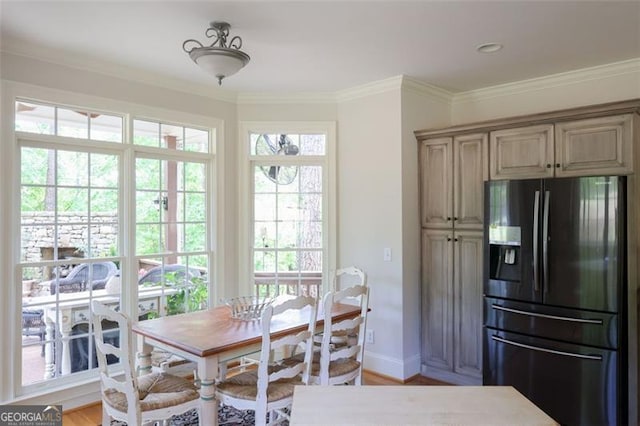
{"x":125,"y":397}
{"x":340,"y":360}
{"x":269,"y":388}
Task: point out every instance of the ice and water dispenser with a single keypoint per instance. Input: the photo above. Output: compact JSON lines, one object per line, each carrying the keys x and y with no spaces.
{"x":504,"y":253}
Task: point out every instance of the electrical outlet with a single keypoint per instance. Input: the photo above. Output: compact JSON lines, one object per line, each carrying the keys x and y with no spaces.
{"x":369,"y":337}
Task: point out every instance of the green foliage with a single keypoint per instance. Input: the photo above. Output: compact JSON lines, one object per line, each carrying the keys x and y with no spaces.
{"x":189,"y":297}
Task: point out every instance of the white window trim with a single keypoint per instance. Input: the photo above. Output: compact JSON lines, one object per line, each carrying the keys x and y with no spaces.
{"x":76,"y":391}
{"x":245,"y":242}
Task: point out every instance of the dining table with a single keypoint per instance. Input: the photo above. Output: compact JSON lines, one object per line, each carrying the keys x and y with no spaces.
{"x":211,"y":338}
{"x":414,"y":405}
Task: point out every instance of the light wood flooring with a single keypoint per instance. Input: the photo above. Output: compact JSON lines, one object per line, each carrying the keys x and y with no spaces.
{"x":92,"y":414}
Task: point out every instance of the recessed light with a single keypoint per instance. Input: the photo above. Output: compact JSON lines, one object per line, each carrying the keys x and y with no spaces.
{"x":488,"y":47}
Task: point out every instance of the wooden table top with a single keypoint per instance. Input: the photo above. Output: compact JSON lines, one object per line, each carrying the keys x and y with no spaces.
{"x":414,"y":405}
{"x":213,"y":331}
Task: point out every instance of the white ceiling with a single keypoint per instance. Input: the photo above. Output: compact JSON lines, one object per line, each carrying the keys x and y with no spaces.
{"x":326,"y":46}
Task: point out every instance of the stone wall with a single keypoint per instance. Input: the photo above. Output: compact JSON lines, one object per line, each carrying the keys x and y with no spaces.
{"x":73,"y":235}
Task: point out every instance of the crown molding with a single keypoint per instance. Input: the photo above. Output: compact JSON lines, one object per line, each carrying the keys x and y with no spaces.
{"x":369,"y":89}
{"x":110,"y":69}
{"x":262,"y":98}
{"x":428,"y":90}
{"x":631,"y":66}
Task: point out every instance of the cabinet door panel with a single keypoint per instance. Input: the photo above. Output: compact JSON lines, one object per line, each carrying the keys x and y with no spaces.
{"x":468,"y":303}
{"x":470,"y":170}
{"x":436,"y":183}
{"x":437,"y":299}
{"x":598,"y":146}
{"x":522,"y":153}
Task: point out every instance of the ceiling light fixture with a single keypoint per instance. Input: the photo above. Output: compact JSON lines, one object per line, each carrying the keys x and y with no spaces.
{"x":488,"y":47}
{"x":220,"y":58}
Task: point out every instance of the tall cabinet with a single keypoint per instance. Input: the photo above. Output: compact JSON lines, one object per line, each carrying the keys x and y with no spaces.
{"x":454,"y":163}
{"x":452,"y":171}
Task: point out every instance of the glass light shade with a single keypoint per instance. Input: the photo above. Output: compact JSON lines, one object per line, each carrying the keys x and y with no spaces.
{"x":220,"y":62}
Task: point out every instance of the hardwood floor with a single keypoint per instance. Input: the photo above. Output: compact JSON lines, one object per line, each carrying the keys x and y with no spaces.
{"x":92,"y":414}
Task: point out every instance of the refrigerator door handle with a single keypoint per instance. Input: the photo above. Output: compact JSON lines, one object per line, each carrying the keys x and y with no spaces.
{"x":547,"y":316}
{"x":551,"y":351}
{"x":536,"y":210}
{"x":545,"y":242}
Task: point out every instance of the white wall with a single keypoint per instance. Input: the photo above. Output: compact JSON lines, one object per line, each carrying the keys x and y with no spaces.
{"x":370,"y":215}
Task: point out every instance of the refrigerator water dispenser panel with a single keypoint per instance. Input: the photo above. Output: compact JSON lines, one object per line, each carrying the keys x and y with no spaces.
{"x":504,"y":253}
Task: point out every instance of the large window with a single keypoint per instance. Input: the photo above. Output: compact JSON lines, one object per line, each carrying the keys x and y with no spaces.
{"x":290,"y":233}
{"x":91,"y":192}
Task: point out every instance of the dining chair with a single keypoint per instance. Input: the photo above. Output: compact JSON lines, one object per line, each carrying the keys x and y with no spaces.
{"x":343,"y":278}
{"x":125,"y":397}
{"x":340,"y":361}
{"x":269,"y":388}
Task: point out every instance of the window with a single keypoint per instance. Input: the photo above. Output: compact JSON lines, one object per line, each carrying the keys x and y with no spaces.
{"x":290,"y":204}
{"x":83,"y":183}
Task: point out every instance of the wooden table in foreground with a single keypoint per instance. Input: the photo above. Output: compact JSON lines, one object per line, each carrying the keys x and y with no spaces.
{"x":212,"y":337}
{"x":414,"y":405}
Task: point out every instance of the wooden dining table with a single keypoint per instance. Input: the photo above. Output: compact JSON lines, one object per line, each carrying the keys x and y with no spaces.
{"x":211,"y":338}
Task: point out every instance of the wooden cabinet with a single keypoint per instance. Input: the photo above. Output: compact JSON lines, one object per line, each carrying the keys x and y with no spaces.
{"x":521,"y":153}
{"x":452,"y":301}
{"x":597,"y":146}
{"x":589,"y":147}
{"x":454,"y":162}
{"x":452,"y":171}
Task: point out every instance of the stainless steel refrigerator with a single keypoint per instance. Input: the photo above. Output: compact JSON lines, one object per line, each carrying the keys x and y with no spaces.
{"x":554,"y":280}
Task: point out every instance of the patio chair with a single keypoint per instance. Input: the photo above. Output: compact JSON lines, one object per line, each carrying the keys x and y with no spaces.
{"x":33,"y":324}
{"x":155,"y":274}
{"x":78,"y":278}
{"x":126,"y":397}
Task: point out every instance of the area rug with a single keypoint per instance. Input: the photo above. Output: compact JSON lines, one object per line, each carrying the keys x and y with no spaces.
{"x":227,"y":416}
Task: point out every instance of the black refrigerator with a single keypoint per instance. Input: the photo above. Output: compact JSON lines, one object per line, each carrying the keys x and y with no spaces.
{"x":554,"y":286}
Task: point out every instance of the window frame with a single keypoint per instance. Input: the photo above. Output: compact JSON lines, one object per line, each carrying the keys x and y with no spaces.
{"x":248,"y":161}
{"x":78,"y":384}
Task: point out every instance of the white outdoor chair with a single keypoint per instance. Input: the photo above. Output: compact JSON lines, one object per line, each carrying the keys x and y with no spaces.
{"x":125,"y":397}
{"x":269,"y":388}
{"x":340,"y":361}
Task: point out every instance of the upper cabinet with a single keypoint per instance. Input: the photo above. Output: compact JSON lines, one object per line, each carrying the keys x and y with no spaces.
{"x":589,"y":147}
{"x":522,"y":153}
{"x":452,"y":171}
{"x":598,"y":146}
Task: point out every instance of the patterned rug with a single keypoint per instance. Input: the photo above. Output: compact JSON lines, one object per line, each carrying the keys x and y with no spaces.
{"x":227,"y":416}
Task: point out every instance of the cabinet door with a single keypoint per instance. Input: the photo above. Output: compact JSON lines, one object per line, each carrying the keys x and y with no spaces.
{"x":521,"y":153}
{"x":597,"y":146}
{"x":468,"y":303}
{"x":436,"y":183}
{"x":470,"y":170}
{"x":437,"y":299}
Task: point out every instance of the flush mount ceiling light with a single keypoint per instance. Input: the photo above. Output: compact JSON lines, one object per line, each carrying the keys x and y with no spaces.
{"x":488,"y":47}
{"x":220,"y":58}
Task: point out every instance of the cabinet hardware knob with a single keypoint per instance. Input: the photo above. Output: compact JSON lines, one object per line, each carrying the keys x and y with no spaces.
{"x":455,"y":239}
{"x":448,"y":218}
{"x":548,"y":166}
{"x":448,"y":239}
{"x":558,"y":165}
{"x":455,"y":218}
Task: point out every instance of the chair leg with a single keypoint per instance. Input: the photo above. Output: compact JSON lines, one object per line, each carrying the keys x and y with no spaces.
{"x":261,"y":416}
{"x":106,"y":418}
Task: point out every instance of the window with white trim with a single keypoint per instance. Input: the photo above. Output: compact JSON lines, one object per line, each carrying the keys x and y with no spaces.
{"x":290,"y":183}
{"x":91,"y":191}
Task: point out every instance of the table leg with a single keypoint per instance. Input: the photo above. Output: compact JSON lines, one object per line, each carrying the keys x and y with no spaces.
{"x":144,"y":357}
{"x":65,"y":332}
{"x":49,"y":363}
{"x":208,"y":370}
